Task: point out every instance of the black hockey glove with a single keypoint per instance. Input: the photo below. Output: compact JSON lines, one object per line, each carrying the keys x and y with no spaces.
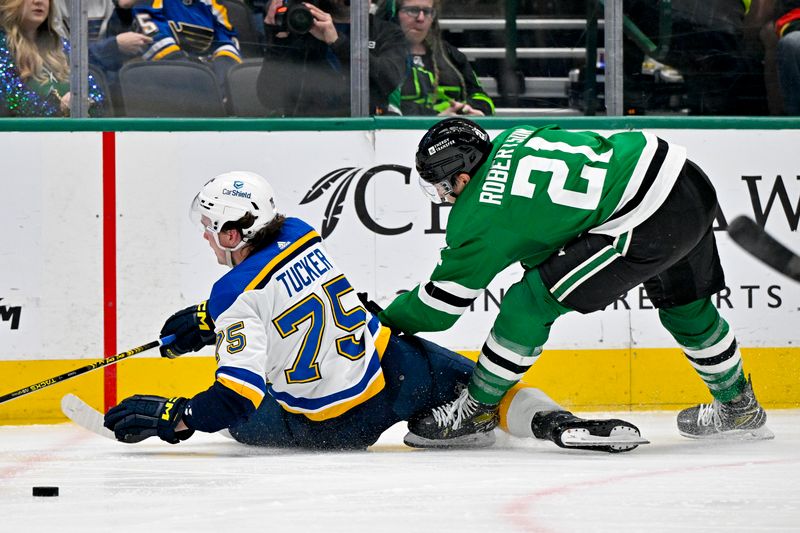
{"x":370,"y":305}
{"x":193,"y":329}
{"x":373,"y":307}
{"x":140,"y":417}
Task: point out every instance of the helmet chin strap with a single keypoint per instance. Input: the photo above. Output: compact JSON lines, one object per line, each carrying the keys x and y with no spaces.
{"x":229,"y":251}
{"x":229,"y":258}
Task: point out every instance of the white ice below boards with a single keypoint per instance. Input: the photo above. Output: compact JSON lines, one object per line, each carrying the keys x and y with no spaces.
{"x":211,"y":483}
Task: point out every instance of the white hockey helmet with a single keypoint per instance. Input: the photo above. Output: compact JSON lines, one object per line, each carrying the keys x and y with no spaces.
{"x":229,"y":197}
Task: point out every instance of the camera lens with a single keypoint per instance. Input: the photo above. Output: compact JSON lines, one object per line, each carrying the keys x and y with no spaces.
{"x":299,"y":19}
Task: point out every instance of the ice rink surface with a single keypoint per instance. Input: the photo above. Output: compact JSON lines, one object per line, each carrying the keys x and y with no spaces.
{"x":210,"y":483}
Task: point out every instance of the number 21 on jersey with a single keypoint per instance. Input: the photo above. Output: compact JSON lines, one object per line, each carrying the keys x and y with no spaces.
{"x":557,"y":190}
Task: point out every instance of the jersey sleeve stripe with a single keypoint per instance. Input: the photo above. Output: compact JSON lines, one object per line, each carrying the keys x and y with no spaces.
{"x":458,"y":290}
{"x":263,"y":277}
{"x":161,"y":48}
{"x":647,"y":181}
{"x":441,"y":300}
{"x":436,"y":290}
{"x":648,"y":158}
{"x":654,"y":186}
{"x":242,"y":388}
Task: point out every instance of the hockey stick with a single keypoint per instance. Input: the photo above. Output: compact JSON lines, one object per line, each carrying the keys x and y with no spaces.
{"x":85,"y":415}
{"x":754,"y":239}
{"x":88,"y":368}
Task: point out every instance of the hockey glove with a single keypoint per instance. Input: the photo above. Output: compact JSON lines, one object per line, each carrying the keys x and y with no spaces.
{"x":370,"y":305}
{"x":140,"y":417}
{"x":373,"y":307}
{"x":193,"y":329}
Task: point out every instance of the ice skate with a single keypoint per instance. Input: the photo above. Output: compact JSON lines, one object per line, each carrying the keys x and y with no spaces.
{"x":742,"y":418}
{"x":569,"y":431}
{"x":462,"y":423}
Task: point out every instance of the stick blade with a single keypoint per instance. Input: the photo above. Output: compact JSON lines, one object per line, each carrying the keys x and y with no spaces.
{"x":85,"y":416}
{"x":755,"y":240}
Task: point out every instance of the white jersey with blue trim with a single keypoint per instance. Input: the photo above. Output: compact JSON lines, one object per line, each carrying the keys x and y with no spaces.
{"x":289,"y":322}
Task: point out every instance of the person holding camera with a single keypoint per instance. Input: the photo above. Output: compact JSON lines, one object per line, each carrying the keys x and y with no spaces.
{"x":306,"y":69}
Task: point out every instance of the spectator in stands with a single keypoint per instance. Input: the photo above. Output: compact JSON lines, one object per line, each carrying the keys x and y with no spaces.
{"x":308,"y":74}
{"x":440,"y":80}
{"x":34,"y":63}
{"x":248,"y":25}
{"x":258,"y":10}
{"x":189,"y":29}
{"x":788,"y":56}
{"x":714,"y":44}
{"x":112,"y":41}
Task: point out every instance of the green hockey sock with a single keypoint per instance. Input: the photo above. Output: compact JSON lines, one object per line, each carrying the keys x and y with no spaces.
{"x":488,"y":388}
{"x":710,"y":346}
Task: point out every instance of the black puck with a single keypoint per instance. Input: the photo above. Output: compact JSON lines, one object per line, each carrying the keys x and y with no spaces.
{"x":45,"y":491}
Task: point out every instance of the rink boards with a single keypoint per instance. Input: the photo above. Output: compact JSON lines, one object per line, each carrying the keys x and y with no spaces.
{"x":100,"y":250}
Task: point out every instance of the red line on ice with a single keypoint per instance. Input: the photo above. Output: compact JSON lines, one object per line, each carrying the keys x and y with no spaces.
{"x":518,"y":513}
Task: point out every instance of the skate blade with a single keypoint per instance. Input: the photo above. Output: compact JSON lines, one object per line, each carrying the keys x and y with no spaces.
{"x":620,"y":439}
{"x":762,"y":433}
{"x":475,"y":440}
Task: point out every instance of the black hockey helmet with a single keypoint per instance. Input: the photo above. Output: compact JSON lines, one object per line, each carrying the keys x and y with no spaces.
{"x":450,"y":147}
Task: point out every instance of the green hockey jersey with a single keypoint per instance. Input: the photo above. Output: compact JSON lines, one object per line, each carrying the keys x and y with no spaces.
{"x":539,"y":189}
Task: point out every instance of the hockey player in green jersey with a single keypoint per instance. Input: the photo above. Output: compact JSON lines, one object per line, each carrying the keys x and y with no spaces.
{"x":589,"y":218}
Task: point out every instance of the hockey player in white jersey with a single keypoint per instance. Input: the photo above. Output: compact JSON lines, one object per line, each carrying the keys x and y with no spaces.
{"x":301,"y":362}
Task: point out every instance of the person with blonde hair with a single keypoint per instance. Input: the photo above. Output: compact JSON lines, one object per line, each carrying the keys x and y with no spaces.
{"x":33,"y":63}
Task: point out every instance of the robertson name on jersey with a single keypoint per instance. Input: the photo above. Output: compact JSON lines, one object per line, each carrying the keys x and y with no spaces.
{"x":539,"y":189}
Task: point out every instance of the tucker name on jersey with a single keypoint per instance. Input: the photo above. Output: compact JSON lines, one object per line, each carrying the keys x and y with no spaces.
{"x":275,"y":315}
